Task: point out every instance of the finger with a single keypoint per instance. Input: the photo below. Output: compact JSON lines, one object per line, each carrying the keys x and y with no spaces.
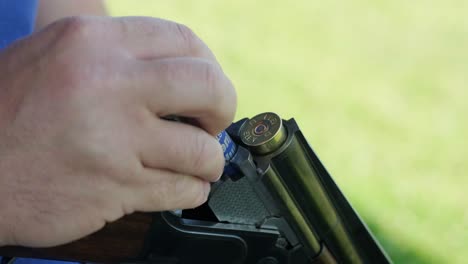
{"x":182,"y":148}
{"x":150,"y":38}
{"x":163,"y":190}
{"x":188,"y":87}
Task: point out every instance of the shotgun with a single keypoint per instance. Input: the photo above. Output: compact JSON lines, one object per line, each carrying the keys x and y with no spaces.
{"x":275,"y":204}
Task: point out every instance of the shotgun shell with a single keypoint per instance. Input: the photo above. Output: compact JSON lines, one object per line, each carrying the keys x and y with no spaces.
{"x":263,"y":133}
{"x":229,"y":147}
{"x":229,"y":150}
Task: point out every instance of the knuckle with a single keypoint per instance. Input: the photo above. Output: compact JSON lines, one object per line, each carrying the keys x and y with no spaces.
{"x":200,"y":152}
{"x":77,"y":27}
{"x":209,"y":159}
{"x":168,"y":198}
{"x":187,"y":35}
{"x":71,"y":44}
{"x":159,"y":197}
{"x":229,"y":102}
{"x":141,"y":118}
{"x":221,"y":91}
{"x":229,"y":106}
{"x":201,"y":196}
{"x":170,"y":70}
{"x":213,"y":79}
{"x":191,"y":42}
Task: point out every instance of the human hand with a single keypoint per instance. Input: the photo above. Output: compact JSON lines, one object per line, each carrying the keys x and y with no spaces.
{"x":82,"y":139}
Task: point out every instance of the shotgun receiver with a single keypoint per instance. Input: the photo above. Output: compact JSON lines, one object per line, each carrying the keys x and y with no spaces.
{"x":275,"y":204}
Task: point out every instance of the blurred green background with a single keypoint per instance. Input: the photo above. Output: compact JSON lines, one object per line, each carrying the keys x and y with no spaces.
{"x":378,"y":87}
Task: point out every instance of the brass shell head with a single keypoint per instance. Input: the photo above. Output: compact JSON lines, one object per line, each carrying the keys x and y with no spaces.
{"x":263,"y":133}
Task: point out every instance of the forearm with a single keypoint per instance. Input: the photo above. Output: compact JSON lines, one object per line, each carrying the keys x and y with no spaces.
{"x":51,"y":10}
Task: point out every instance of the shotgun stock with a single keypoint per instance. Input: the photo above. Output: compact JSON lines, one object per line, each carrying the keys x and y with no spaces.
{"x":275,"y":204}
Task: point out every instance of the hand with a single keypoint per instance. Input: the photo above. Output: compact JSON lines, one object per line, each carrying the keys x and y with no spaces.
{"x":82,"y":141}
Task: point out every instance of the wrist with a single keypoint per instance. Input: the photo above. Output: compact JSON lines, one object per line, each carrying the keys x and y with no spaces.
{"x":6,"y":204}
{"x":4,"y":231}
{"x":6,"y":227}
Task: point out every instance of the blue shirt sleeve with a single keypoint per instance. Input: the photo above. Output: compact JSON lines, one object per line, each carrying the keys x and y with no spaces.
{"x":38,"y":261}
{"x":17,"y":19}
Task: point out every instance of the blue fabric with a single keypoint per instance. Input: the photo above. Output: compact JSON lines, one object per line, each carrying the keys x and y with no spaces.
{"x":38,"y":261}
{"x":17,"y":18}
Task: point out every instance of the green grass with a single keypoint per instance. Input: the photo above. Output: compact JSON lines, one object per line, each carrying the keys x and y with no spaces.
{"x":378,"y":87}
